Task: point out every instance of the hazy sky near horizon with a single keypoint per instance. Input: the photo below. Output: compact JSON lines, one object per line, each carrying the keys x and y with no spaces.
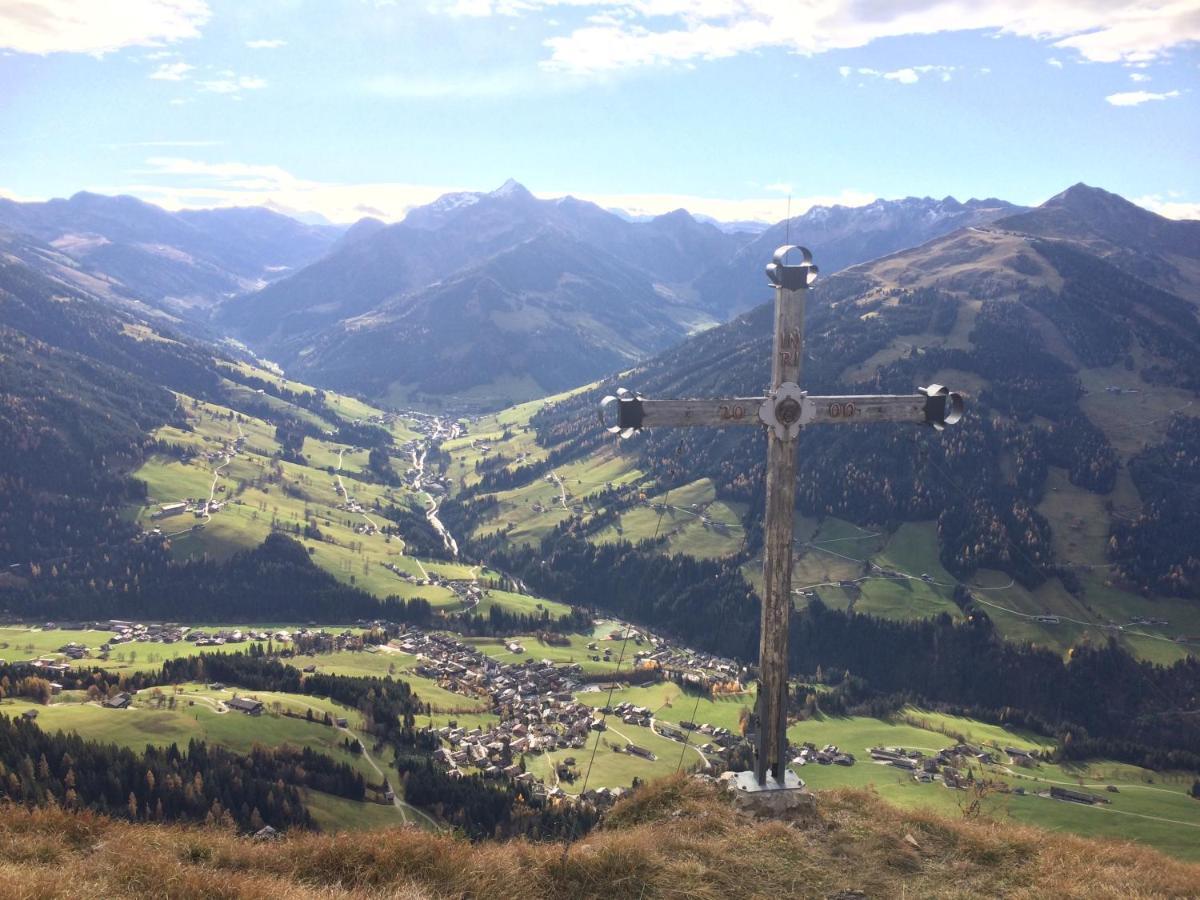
{"x":366,"y":107}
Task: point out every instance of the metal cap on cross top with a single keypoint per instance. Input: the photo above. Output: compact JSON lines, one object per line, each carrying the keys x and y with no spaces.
{"x":781,"y":413}
{"x":792,"y":277}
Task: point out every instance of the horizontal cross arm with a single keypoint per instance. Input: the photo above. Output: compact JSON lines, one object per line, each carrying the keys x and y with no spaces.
{"x":633,"y":412}
{"x":937,"y":407}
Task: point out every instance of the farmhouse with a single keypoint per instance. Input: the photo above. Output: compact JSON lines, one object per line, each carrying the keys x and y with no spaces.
{"x":247,"y":705}
{"x":170,"y":509}
{"x":1071,"y":796}
{"x":119,"y":701}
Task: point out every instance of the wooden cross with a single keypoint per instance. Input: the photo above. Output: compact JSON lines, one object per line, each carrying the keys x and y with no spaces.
{"x":784,"y":411}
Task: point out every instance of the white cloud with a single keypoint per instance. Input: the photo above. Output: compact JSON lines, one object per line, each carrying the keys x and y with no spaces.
{"x":266,"y":44}
{"x":1057,"y":63}
{"x":908,"y":74}
{"x":1172,"y":209}
{"x":19,"y":198}
{"x":904,"y":76}
{"x":779,"y":188}
{"x":1136,"y":98}
{"x":97,"y":26}
{"x":232,"y":84}
{"x":177,"y":183}
{"x":627,"y":33}
{"x":1138,"y":76}
{"x":181,"y":183}
{"x":175,"y":71}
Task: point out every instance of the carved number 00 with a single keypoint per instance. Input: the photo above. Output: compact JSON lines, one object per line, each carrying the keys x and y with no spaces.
{"x":842,"y":410}
{"x":737,"y":411}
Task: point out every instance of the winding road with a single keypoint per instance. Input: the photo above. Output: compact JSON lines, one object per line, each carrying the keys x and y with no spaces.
{"x":403,"y":808}
{"x":431,"y":511}
{"x":346,"y":494}
{"x":562,"y":491}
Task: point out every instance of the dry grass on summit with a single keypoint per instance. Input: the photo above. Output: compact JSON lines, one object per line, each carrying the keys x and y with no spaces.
{"x":677,"y":838}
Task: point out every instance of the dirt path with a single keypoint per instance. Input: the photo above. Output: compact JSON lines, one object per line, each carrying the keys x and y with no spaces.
{"x":346,"y":494}
{"x":212,"y":490}
{"x":403,"y":808}
{"x":562,"y":490}
{"x":691,"y":746}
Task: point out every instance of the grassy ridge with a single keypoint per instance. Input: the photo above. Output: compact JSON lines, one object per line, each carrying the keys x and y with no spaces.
{"x":676,"y":838}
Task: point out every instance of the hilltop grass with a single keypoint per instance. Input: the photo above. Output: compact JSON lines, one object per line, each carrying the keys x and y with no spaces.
{"x":674,"y":838}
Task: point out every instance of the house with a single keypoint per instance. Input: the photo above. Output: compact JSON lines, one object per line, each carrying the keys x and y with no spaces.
{"x":123,"y":700}
{"x":170,"y":509}
{"x":29,"y":715}
{"x":247,"y":705}
{"x":1071,"y":796}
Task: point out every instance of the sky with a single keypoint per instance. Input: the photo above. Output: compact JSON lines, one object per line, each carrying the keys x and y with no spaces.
{"x":346,"y":108}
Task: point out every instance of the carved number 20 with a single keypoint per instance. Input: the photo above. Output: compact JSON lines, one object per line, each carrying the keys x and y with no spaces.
{"x":737,"y":411}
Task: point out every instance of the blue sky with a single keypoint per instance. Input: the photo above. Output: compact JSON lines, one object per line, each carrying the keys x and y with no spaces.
{"x":353,"y":107}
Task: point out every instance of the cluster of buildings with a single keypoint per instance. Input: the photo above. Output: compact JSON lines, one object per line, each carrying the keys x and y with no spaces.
{"x":947,"y":765}
{"x":534,"y":700}
{"x":825,"y":756}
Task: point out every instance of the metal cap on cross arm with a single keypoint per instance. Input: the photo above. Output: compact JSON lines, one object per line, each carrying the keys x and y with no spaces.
{"x":942,"y":406}
{"x":621,"y":414}
{"x":792,"y":277}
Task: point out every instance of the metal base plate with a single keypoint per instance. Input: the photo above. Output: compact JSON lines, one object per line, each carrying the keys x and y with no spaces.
{"x":747,"y":782}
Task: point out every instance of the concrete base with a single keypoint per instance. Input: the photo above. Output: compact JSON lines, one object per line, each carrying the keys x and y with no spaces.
{"x":771,"y":800}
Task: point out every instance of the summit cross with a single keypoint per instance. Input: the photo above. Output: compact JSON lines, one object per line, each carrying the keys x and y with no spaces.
{"x":781,"y":413}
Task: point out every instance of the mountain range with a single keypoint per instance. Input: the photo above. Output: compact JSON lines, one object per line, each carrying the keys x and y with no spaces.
{"x":487,"y":299}
{"x":1076,"y":470}
{"x":175,"y":264}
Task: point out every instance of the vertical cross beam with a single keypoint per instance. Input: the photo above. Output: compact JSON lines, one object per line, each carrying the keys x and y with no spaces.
{"x":785,"y":410}
{"x":791,"y":286}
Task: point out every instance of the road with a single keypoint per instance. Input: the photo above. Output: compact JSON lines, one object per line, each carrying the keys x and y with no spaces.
{"x":562,"y":491}
{"x":699,"y":752}
{"x":346,"y":494}
{"x":212,"y":490}
{"x":403,"y":808}
{"x":431,"y":512}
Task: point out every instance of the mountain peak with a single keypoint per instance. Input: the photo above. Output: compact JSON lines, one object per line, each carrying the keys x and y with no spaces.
{"x":1084,"y":198}
{"x":511,"y":189}
{"x":680,"y":216}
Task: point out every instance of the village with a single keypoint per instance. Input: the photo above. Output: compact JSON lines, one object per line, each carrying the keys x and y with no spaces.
{"x":539,"y":710}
